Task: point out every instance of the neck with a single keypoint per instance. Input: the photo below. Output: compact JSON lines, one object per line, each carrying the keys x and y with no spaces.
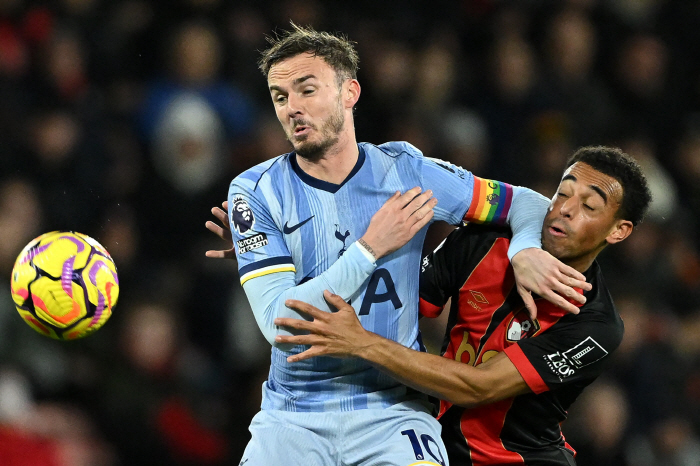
{"x":581,"y":265}
{"x":337,"y":162}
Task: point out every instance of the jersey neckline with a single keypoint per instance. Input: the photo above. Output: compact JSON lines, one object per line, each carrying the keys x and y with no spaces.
{"x":326,"y":185}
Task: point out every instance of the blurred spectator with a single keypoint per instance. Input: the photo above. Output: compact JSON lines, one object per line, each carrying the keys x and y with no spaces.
{"x":604,"y":415}
{"x":69,"y":165}
{"x":673,"y":443}
{"x":194,"y":124}
{"x":664,"y":205}
{"x":190,"y":116}
{"x":574,"y":88}
{"x":151,"y":397}
{"x":507,"y":104}
{"x":21,"y":219}
{"x":45,"y":434}
{"x":644,"y":98}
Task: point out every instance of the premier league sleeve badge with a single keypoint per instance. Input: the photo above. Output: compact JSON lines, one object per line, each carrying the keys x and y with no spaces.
{"x":241,"y":215}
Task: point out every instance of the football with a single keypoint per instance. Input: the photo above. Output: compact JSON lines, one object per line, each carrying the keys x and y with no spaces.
{"x":64,"y":285}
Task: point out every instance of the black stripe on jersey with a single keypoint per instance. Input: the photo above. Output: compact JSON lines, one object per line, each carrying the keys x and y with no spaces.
{"x":473,"y":242}
{"x":453,"y":437}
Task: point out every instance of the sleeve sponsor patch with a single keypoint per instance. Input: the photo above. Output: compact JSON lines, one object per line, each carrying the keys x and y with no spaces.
{"x":252,"y":242}
{"x":565,"y":364}
{"x":450,"y":167}
{"x":242,"y":215}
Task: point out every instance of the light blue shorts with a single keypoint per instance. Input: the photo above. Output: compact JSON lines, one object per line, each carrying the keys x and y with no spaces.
{"x":367,"y":437}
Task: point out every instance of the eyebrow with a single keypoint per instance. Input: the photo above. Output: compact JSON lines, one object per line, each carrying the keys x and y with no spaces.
{"x":592,"y":186}
{"x":294,"y":83}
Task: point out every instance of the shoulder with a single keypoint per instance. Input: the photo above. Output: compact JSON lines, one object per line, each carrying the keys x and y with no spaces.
{"x":599,"y":314}
{"x":250,"y":179}
{"x":394,"y":149}
{"x":486,"y":231}
{"x":599,"y":301}
{"x":477,"y":235}
{"x":468,"y":244}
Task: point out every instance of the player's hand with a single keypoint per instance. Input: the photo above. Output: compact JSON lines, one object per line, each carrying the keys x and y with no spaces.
{"x":223,"y":232}
{"x":537,"y":271}
{"x":398,"y":220}
{"x":338,"y":334}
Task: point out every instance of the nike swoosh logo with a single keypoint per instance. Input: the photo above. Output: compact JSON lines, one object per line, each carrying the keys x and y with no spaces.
{"x":287,"y":229}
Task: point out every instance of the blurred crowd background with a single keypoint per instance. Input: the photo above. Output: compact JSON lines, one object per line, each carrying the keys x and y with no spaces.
{"x":127,"y":119}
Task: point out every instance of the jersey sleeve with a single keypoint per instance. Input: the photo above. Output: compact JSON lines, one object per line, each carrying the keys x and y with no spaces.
{"x":268,"y":293}
{"x":463,"y":197}
{"x":267,"y":270}
{"x":573,"y":350}
{"x":259,"y":243}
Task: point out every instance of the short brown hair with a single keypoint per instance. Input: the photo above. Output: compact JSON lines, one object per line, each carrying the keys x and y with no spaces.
{"x":335,"y":49}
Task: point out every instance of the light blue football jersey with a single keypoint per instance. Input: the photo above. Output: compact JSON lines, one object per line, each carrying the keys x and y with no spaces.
{"x":287,"y":222}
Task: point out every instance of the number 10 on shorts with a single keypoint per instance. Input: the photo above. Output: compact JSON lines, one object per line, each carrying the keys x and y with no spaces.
{"x":426,"y":440}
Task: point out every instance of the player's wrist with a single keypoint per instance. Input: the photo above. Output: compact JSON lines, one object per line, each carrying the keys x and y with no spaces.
{"x":364,"y":244}
{"x":369,"y":350}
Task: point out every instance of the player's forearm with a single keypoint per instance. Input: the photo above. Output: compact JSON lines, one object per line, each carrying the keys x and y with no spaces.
{"x":525,"y":218}
{"x":458,"y":383}
{"x":267,"y":294}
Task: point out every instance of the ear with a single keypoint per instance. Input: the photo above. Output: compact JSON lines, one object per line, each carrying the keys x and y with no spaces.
{"x":621,"y":230}
{"x":351,"y":93}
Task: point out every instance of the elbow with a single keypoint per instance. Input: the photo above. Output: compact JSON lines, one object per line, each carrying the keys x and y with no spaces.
{"x":271,"y":332}
{"x":270,"y":335}
{"x":471,"y":398}
{"x":286,"y":347}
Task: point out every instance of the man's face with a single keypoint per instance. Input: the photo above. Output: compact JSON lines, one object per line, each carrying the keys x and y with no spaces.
{"x":308,"y":103}
{"x":582,"y":216}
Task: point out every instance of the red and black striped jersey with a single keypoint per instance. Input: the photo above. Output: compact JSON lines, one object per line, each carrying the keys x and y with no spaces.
{"x":558,"y":354}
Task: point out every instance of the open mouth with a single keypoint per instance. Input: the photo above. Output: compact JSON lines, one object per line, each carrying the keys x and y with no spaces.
{"x":301,"y":130}
{"x":556,"y":231}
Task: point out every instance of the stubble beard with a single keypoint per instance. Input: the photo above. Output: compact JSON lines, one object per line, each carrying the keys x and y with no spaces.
{"x":331,"y":129}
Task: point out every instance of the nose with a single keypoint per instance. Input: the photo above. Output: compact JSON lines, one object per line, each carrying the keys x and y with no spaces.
{"x":293,"y":106}
{"x":568,"y":207}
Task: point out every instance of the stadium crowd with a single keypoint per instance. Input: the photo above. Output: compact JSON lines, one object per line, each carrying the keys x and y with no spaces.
{"x":127,"y":119}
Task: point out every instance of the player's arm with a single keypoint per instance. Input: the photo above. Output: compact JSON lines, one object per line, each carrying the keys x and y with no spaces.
{"x":340,"y":334}
{"x":267,"y":269}
{"x":468,"y":198}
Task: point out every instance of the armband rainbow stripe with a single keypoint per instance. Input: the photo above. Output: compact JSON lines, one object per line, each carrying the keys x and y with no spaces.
{"x":491,"y":202}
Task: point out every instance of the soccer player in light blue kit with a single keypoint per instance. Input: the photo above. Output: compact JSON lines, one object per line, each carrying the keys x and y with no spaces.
{"x":331,"y":215}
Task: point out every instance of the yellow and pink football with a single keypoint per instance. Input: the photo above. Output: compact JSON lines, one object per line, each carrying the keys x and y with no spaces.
{"x":64,"y":285}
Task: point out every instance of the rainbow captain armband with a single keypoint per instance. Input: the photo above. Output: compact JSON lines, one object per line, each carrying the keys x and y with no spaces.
{"x":491,"y":202}
{"x":266,"y":267}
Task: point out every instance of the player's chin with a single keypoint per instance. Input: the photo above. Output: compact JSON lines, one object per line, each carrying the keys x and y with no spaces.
{"x":553,"y":245}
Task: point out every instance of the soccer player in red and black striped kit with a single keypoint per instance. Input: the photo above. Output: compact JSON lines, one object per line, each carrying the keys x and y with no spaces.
{"x":507,"y":379}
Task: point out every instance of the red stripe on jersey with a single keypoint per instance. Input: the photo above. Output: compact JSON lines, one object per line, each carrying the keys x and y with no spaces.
{"x":485,"y":290}
{"x":482,"y":426}
{"x":567,"y":446}
{"x":522,"y":363}
{"x":427,"y":309}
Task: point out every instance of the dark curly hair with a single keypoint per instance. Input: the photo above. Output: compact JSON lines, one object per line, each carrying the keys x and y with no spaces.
{"x":611,"y":161}
{"x":335,"y":49}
